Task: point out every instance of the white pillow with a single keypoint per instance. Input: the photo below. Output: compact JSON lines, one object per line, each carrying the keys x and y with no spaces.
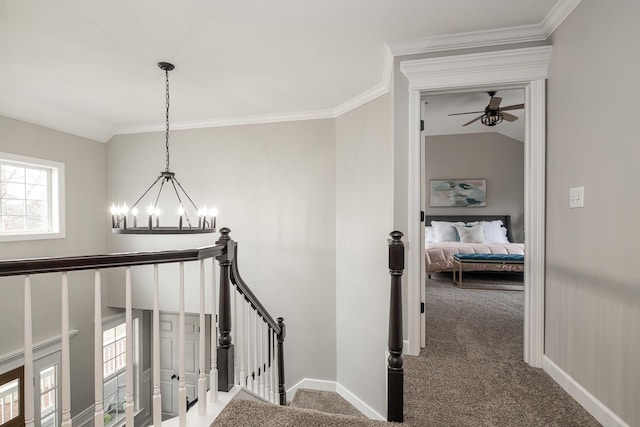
{"x":472,"y":234}
{"x":494,"y":232}
{"x":428,"y":235}
{"x":444,"y":231}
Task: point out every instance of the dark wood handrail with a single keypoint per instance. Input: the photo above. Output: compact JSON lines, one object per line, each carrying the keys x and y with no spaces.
{"x":244,"y":289}
{"x":18,"y":267}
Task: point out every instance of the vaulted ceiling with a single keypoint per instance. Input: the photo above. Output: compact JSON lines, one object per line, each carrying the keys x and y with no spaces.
{"x":89,"y":67}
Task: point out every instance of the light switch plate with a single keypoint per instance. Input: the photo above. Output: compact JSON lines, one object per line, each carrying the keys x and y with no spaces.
{"x":576,"y":197}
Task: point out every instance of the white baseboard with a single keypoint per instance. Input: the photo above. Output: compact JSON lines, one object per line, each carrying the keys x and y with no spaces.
{"x":599,"y":410}
{"x":324,"y":385}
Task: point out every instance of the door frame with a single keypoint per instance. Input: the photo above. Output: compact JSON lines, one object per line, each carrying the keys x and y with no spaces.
{"x":524,"y":68}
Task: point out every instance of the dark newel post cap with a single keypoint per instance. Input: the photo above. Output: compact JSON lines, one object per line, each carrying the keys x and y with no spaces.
{"x":396,"y":235}
{"x":282,"y":326}
{"x":224,"y":236}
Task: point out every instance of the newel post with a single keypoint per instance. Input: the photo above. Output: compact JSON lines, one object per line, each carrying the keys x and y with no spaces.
{"x":225,"y":346}
{"x":281,"y":336}
{"x":395,"y":371}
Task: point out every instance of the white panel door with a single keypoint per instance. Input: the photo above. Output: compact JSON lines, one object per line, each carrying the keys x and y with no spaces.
{"x":169,"y":361}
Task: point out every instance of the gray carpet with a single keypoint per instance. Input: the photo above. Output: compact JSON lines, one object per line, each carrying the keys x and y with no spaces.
{"x":472,"y":373}
{"x":245,"y":413}
{"x":324,"y":401}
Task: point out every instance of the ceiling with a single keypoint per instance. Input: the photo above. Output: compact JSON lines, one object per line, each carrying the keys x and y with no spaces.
{"x":89,"y":67}
{"x":436,"y":110}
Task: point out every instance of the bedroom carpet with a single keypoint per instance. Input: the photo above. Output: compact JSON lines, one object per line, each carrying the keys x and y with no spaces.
{"x":472,"y":373}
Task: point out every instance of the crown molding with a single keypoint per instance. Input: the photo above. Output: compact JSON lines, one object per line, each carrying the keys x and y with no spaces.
{"x":495,"y":37}
{"x":229,"y":121}
{"x":20,"y":107}
{"x":557,"y":15}
{"x":470,"y":40}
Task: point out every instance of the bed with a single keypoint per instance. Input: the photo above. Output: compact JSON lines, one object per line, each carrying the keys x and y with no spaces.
{"x":443,"y":241}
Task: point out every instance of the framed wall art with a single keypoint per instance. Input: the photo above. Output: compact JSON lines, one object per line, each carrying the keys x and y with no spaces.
{"x":453,"y":193}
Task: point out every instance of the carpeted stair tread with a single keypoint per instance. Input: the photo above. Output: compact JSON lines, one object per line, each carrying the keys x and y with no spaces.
{"x":245,"y":413}
{"x":324,"y":401}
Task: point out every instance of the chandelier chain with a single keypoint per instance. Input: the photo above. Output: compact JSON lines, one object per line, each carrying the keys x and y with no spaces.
{"x":166,"y":73}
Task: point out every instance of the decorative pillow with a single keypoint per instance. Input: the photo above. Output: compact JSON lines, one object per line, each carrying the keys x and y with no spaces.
{"x":428,"y":235}
{"x":444,"y":231}
{"x":472,"y":234}
{"x":494,"y":232}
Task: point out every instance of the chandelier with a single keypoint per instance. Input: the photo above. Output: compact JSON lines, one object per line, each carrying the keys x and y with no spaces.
{"x":125,"y":220}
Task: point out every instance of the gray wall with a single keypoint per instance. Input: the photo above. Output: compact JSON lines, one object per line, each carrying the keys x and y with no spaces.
{"x":364,"y":193}
{"x":86,"y":230}
{"x":592,"y":288}
{"x":491,"y":156}
{"x":274,"y":185}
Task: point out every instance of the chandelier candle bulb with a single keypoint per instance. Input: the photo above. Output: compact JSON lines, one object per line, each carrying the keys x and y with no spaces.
{"x":150,"y":212}
{"x":134,"y":212}
{"x":180,"y":213}
{"x":113,"y":215}
{"x":157,"y":213}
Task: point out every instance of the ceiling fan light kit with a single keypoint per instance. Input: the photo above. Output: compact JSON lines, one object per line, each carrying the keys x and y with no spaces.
{"x":124,"y":220}
{"x":493,"y":114}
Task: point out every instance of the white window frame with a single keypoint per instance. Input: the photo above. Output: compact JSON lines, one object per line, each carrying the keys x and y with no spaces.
{"x":111,"y":322}
{"x":51,"y":360}
{"x":56,"y":198}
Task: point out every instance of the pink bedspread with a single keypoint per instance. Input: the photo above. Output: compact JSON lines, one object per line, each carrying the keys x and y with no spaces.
{"x":439,"y":256}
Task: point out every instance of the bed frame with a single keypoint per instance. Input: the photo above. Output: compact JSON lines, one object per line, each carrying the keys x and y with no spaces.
{"x":506,"y":220}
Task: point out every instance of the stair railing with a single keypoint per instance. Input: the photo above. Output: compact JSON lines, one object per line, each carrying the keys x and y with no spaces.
{"x":258,"y":364}
{"x":395,"y":370}
{"x":268,"y":368}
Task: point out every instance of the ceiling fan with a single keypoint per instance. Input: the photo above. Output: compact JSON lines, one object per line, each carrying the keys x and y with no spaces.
{"x":493,"y":113}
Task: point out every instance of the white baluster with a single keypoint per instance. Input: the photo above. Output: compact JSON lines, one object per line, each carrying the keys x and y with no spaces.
{"x":243,"y":325}
{"x":213,"y":375}
{"x":250,"y":359}
{"x":157,"y":396}
{"x":269,"y":368}
{"x":202,"y":380}
{"x":274,"y":368}
{"x":256,"y":359}
{"x":98,"y":417}
{"x":238,"y":337}
{"x":129,"y":405}
{"x":262,"y":358}
{"x":66,"y":366}
{"x":28,"y":356}
{"x":182,"y":389}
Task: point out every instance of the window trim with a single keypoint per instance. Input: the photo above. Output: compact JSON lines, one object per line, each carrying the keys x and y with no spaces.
{"x":17,"y":373}
{"x":118,"y":319}
{"x":57,"y":203}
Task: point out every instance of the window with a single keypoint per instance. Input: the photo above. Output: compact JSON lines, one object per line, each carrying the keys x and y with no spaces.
{"x":11,"y":398}
{"x":114,"y":359}
{"x":48,"y":396}
{"x":31,"y":198}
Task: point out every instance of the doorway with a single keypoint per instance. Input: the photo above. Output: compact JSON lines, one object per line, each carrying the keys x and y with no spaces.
{"x":512,"y":68}
{"x":169,"y":365}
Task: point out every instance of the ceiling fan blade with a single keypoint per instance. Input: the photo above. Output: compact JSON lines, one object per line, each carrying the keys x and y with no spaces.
{"x":474,"y":120}
{"x":494,"y":103}
{"x":513,"y":107}
{"x":470,"y":112}
{"x":509,"y":117}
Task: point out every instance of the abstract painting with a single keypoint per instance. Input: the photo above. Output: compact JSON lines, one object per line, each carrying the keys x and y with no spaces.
{"x":458,"y":193}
